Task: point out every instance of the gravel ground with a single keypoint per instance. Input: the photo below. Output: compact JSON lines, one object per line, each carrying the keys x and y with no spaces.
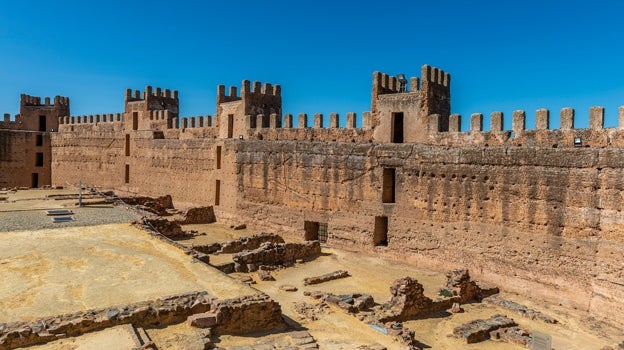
{"x":85,"y":216}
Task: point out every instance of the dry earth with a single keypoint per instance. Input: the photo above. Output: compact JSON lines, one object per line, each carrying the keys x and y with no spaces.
{"x":53,"y":271}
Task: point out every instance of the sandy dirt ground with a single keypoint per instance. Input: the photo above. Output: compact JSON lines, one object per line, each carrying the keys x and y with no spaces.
{"x":55,"y":271}
{"x":114,"y":338}
{"x":336,"y":329}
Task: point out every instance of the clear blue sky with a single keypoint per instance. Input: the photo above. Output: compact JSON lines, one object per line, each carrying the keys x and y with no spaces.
{"x":502,"y":55}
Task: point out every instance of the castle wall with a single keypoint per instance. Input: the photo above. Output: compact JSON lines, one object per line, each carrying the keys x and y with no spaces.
{"x":148,"y":162}
{"x":87,"y":155}
{"x":18,"y":158}
{"x":541,"y":221}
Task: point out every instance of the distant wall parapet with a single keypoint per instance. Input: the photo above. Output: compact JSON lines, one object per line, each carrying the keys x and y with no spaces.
{"x":305,"y":128}
{"x":596,"y":135}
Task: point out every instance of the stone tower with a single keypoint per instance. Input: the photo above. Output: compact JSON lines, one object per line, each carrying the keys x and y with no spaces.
{"x":410,"y":114}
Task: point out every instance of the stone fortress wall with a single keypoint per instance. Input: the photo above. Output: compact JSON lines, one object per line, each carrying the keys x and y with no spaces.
{"x":539,"y":210}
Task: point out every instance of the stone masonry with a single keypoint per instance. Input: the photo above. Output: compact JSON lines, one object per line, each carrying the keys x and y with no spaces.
{"x":536,"y":209}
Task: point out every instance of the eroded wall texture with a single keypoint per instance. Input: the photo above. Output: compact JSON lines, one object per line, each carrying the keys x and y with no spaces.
{"x":542,"y":221}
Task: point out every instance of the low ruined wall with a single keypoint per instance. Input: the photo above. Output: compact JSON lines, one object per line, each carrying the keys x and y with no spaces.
{"x":198,"y":215}
{"x":275,"y":255}
{"x":250,"y":242}
{"x":247,"y":314}
{"x":242,"y":315}
{"x":541,"y":221}
{"x":165,"y":311}
{"x":408,"y":300}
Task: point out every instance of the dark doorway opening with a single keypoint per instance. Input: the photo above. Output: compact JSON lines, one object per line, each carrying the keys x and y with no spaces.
{"x":135,"y":120}
{"x":381,"y":231}
{"x":315,"y":231}
{"x":127,"y":174}
{"x":35,"y":180}
{"x":42,"y":123}
{"x":39,"y":159}
{"x":388,"y":188}
{"x":397,"y":127}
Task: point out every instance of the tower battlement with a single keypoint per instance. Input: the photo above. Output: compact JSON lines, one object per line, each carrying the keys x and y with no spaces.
{"x":35,"y":101}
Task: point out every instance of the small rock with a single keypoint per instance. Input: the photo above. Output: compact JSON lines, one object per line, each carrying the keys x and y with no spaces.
{"x":288,"y":288}
{"x":456,"y":308}
{"x":240,"y":227}
{"x":203,"y":320}
{"x":300,"y":334}
{"x":247,"y":279}
{"x":265,"y":275}
{"x":304,"y":341}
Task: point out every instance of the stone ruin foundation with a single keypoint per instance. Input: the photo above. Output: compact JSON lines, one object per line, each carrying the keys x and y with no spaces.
{"x":236,"y":316}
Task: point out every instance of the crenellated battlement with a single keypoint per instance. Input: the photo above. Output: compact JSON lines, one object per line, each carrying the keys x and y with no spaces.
{"x":247,"y":90}
{"x":35,"y":101}
{"x":7,"y":123}
{"x":136,"y":95}
{"x":317,"y":127}
{"x":541,"y":134}
{"x":193,"y":122}
{"x":91,"y":119}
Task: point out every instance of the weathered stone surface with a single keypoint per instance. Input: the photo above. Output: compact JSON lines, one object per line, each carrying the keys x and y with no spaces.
{"x":479,"y":330}
{"x":203,"y":320}
{"x":242,"y":315}
{"x":157,"y":205}
{"x":515,"y":335}
{"x":326,"y":277}
{"x":288,"y":288}
{"x":459,"y":283}
{"x":265,"y":275}
{"x":250,"y":242}
{"x":197,"y":215}
{"x":408,"y":300}
{"x":275,"y":254}
{"x":519,"y":309}
{"x":167,"y":228}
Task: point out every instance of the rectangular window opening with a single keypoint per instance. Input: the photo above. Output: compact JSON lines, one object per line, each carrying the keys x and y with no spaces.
{"x":218,"y":157}
{"x":127,"y":145}
{"x":135,"y":120}
{"x":39,"y":140}
{"x":42,"y":123}
{"x":217,"y":192}
{"x":380,"y":237}
{"x":127,"y":175}
{"x":39,"y":159}
{"x":388,"y":188}
{"x":230,"y":126}
{"x":397,"y":127}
